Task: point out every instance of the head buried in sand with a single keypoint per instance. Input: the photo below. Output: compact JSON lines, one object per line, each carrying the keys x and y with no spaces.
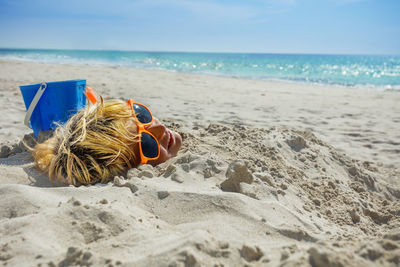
{"x":105,"y":140}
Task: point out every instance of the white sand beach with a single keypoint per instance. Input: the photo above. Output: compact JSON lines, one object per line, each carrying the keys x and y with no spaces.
{"x":269,"y":174}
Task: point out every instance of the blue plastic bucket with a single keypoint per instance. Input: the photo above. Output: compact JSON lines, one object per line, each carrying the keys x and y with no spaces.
{"x":59,"y":101}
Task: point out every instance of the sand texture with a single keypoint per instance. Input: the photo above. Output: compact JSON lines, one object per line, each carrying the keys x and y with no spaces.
{"x":270,"y":174}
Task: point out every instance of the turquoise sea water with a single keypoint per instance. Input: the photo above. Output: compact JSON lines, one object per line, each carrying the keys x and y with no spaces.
{"x":347,"y":70}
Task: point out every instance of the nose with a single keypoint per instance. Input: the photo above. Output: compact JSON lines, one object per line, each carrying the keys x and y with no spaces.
{"x":157,"y":129}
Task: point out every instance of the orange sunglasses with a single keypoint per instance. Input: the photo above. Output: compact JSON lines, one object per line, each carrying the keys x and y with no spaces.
{"x":148,"y":144}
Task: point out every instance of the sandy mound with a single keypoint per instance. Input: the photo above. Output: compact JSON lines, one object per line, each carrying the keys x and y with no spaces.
{"x":239,"y":193}
{"x":234,"y":196}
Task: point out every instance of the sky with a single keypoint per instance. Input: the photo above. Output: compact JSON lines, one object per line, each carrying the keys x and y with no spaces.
{"x":255,"y":26}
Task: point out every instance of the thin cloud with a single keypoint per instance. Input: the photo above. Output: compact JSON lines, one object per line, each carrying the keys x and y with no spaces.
{"x":207,"y":11}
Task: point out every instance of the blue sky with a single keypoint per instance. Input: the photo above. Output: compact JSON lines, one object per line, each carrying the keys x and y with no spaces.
{"x":269,"y":26}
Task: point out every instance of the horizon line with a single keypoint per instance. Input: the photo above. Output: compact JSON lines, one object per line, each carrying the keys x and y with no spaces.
{"x":199,"y":52}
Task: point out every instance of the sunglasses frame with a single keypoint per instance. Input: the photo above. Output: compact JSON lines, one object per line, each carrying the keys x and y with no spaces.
{"x":141,"y":129}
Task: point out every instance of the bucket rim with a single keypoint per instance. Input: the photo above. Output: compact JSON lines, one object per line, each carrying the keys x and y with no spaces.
{"x":52,"y":83}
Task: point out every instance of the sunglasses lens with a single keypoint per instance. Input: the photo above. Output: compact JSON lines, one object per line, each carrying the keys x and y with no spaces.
{"x":149,"y":146}
{"x":142,"y":114}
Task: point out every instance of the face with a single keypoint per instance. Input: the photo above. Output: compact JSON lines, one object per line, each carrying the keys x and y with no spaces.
{"x":170,"y":141}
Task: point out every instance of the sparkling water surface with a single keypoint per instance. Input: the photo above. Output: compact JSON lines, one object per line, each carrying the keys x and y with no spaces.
{"x":347,"y":70}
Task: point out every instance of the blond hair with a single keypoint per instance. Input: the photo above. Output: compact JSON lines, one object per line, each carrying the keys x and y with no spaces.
{"x":93,"y":146}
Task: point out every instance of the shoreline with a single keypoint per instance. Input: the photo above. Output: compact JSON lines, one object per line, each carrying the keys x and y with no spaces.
{"x":393,"y":88}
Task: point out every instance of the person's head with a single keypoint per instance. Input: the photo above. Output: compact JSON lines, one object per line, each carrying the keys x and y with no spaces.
{"x":102,"y":141}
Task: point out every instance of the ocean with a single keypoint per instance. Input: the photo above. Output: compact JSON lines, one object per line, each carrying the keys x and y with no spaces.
{"x":381,"y":72}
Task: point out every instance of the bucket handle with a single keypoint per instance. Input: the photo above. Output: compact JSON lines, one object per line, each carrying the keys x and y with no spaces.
{"x":34,"y":102}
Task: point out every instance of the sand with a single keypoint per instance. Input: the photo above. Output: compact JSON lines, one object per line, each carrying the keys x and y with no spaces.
{"x":270,"y":174}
